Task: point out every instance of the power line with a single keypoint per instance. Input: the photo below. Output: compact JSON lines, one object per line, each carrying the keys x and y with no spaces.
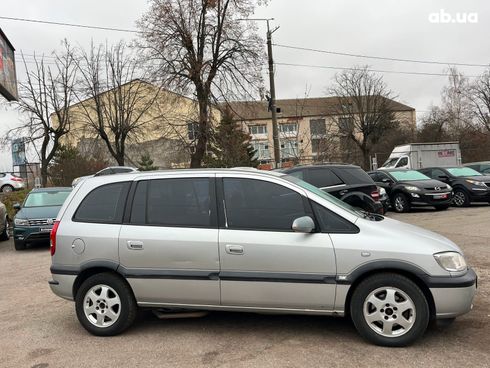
{"x":372,"y":70}
{"x":380,"y":57}
{"x":70,"y":24}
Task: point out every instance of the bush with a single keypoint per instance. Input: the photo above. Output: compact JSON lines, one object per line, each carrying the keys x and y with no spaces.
{"x":9,"y":199}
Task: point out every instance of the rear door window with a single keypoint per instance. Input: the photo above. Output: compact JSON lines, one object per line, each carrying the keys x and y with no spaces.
{"x":354,"y":175}
{"x":178,"y":202}
{"x":104,"y":204}
{"x":322,"y":178}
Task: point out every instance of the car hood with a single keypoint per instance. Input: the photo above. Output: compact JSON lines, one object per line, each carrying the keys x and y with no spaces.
{"x":424,"y":183}
{"x":38,"y":212}
{"x":484,"y":178}
{"x":420,"y":236}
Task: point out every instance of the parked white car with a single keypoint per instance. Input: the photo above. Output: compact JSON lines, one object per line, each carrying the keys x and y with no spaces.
{"x":9,"y":183}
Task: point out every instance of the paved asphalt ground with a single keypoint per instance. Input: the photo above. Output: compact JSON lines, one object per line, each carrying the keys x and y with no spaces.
{"x":37,"y":329}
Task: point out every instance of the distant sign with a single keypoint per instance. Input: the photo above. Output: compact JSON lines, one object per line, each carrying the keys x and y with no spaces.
{"x":446,"y":153}
{"x":18,"y":152}
{"x":8,"y":78}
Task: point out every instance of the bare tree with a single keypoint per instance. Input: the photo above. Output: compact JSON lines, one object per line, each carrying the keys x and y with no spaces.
{"x":114,"y":100}
{"x":480,"y":100}
{"x":456,"y":103}
{"x":363,"y":108}
{"x":204,"y":48}
{"x":45,"y":98}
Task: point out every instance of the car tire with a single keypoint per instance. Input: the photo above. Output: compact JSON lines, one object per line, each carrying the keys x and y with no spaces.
{"x":382,"y":321}
{"x":105,"y":304}
{"x":5,"y":234}
{"x":7,"y":188}
{"x":461,"y":198}
{"x":19,"y":244}
{"x":401,"y":203}
{"x":442,"y":207}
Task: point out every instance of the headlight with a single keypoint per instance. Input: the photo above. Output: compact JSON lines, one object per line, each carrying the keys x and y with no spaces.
{"x":476,"y":182}
{"x":412,"y":188}
{"x":451,"y":261}
{"x":21,"y":222}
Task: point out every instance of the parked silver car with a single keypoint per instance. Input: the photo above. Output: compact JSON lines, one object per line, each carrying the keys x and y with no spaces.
{"x":9,"y":183}
{"x":246,"y":240}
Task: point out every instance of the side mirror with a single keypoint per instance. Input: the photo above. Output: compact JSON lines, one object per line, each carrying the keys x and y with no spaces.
{"x":443,"y":177}
{"x":386,"y":180}
{"x":16,"y":206}
{"x":303,"y":224}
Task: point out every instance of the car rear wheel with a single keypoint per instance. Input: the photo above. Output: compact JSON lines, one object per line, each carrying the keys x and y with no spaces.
{"x":7,"y":188}
{"x":105,"y":305}
{"x":5,"y":234}
{"x":389,"y":309}
{"x":461,"y":198}
{"x":401,"y":203}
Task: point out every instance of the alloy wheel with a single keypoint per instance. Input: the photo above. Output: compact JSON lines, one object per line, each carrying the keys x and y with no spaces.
{"x":389,"y":311}
{"x":459,"y":198}
{"x":399,"y":204}
{"x":102,"y":306}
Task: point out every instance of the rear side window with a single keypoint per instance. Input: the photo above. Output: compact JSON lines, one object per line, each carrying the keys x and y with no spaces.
{"x":104,"y":204}
{"x":297,"y":174}
{"x":177,"y":202}
{"x":355,"y":175}
{"x":330,"y":222}
{"x":323,"y":178}
{"x":261,"y":205}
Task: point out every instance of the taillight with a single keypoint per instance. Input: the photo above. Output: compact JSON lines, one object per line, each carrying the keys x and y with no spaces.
{"x":15,"y":178}
{"x":52,"y":237}
{"x":375,"y":195}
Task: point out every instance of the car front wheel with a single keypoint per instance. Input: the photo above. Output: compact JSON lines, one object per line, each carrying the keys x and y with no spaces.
{"x":389,"y":310}
{"x":105,"y":305}
{"x":401,"y":203}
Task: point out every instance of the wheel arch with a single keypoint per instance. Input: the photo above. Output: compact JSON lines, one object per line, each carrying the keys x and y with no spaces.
{"x":411,"y":272}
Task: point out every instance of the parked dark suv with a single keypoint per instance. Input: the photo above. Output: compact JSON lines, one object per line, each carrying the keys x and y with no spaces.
{"x":409,"y":188}
{"x":469,"y":185}
{"x":349,"y":183}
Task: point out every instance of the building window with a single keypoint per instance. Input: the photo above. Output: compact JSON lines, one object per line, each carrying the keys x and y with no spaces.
{"x":316,"y":146}
{"x":318,"y":127}
{"x":258,"y":129}
{"x":192,"y":131}
{"x":346,"y":125}
{"x":288,"y":128}
{"x":289,"y":149}
{"x":261,"y":150}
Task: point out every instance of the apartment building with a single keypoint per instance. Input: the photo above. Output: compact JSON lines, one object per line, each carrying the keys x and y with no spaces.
{"x":310,"y":129}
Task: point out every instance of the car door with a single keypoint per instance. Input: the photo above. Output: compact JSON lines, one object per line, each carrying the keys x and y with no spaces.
{"x":384,"y":181}
{"x":168,"y":245}
{"x":264,"y":264}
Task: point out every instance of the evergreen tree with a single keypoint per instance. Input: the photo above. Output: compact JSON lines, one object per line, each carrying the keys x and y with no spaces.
{"x":146,"y":163}
{"x":230,"y":145}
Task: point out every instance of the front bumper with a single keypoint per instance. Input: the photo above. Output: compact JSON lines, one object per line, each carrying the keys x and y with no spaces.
{"x":478,"y":194}
{"x":453,"y":296}
{"x":31,"y":234}
{"x":431,"y":199}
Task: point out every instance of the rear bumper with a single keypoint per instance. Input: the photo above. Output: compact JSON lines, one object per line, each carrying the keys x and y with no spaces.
{"x":453,"y":296}
{"x":62,"y":285}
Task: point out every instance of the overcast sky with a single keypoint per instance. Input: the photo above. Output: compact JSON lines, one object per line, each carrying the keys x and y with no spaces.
{"x":387,"y":28}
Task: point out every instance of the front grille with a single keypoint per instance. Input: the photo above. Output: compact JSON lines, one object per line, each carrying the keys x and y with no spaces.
{"x":41,"y":222}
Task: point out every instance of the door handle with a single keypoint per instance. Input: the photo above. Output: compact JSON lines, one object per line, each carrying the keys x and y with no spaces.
{"x":234,"y":249}
{"x":135,"y":245}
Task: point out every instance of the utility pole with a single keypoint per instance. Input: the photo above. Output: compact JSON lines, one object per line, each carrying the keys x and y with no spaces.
{"x":272,"y":102}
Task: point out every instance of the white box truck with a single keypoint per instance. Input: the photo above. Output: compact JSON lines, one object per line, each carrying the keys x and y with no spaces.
{"x":419,"y":155}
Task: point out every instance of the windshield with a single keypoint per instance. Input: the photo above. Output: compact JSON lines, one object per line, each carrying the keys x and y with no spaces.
{"x":463,"y":171}
{"x":408,"y":175}
{"x":391,"y":162}
{"x":45,"y":199}
{"x":321,"y":193}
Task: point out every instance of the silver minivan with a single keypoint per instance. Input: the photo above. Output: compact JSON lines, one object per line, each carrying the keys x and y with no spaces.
{"x":252,"y":241}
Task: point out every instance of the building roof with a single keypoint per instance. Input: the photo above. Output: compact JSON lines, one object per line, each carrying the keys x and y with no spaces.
{"x":318,"y":106}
